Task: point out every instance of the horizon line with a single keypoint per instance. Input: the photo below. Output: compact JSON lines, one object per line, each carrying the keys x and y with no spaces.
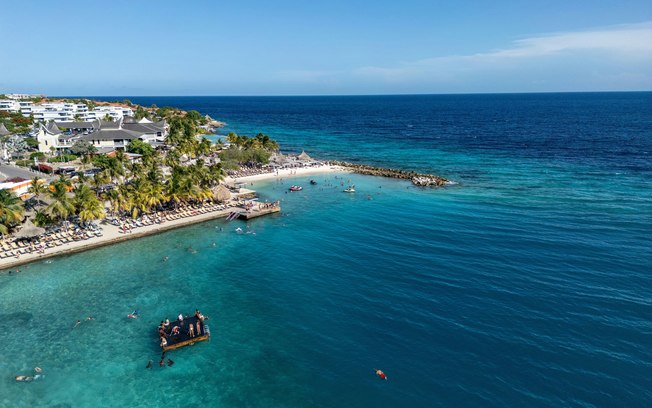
{"x":339,"y":95}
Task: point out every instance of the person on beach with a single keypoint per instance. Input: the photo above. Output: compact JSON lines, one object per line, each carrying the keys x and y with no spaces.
{"x":175,"y":330}
{"x":180,"y":317}
{"x":191,"y":331}
{"x":164,"y":341}
{"x":198,"y":325}
{"x":166,"y":323}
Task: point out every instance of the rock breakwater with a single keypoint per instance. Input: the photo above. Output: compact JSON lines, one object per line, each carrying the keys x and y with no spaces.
{"x":418,"y":179}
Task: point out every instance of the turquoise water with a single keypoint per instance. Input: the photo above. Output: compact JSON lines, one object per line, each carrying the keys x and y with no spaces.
{"x":527,"y":284}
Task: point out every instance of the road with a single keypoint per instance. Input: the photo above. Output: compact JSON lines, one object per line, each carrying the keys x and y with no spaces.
{"x":9,"y":171}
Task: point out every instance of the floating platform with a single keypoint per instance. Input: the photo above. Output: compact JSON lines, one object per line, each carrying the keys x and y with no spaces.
{"x":253,"y":213}
{"x":183,"y":339}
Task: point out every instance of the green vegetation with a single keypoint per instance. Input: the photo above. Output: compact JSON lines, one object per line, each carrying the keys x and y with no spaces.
{"x":83,"y":148}
{"x":16,"y":122}
{"x":63,"y":158}
{"x":137,"y":146}
{"x":141,"y":113}
{"x":247,"y":150}
{"x":11,"y":210}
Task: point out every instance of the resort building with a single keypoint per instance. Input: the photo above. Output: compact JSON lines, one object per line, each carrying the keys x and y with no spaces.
{"x":48,"y":138}
{"x":104,"y":135}
{"x":9,"y":105}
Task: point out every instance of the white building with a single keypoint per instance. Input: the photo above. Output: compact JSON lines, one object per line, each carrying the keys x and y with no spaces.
{"x":9,"y":105}
{"x":115,"y":112}
{"x":68,"y":112}
{"x":104,"y":135}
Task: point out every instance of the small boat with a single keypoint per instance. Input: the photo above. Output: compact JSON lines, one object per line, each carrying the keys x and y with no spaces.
{"x":313,"y":182}
{"x":239,"y":230}
{"x":351,"y":189}
{"x":296,"y":188}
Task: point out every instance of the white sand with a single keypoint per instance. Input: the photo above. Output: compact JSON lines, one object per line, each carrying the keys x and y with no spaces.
{"x":286,"y":173}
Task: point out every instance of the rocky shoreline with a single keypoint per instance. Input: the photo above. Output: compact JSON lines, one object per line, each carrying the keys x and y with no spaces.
{"x":418,"y":179}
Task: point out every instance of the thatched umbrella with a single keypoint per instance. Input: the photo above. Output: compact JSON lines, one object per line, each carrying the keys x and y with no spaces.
{"x":221,"y":193}
{"x":29,"y":230}
{"x":304,"y":156}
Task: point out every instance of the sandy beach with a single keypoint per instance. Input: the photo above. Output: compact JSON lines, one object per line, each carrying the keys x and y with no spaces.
{"x":112,"y":234}
{"x":289,"y":172}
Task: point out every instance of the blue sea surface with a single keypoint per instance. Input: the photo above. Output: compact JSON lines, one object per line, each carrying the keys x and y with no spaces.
{"x":529,"y":283}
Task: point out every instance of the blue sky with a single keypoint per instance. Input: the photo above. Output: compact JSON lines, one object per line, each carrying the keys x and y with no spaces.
{"x":286,"y":47}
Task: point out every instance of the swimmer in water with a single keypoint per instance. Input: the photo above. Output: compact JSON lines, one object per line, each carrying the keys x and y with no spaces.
{"x":77,"y":324}
{"x":165,"y":259}
{"x":380,"y":374}
{"x":149,"y":364}
{"x":90,"y":318}
{"x":161,"y":363}
{"x":170,"y":363}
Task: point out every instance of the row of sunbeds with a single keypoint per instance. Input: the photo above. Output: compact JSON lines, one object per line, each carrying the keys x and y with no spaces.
{"x":14,"y":249}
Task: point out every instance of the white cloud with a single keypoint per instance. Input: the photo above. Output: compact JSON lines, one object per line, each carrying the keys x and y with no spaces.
{"x":593,"y":59}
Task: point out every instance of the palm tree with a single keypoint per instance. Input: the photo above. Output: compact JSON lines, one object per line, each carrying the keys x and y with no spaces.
{"x":42,"y":219}
{"x":61,"y":206}
{"x":82,"y":178}
{"x":173,"y":158}
{"x":37,"y":187}
{"x":204,"y":147}
{"x":100,"y":179}
{"x":114,"y":170}
{"x":89,"y":207}
{"x":11,"y":210}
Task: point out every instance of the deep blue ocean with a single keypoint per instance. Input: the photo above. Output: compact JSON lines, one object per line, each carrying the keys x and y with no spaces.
{"x":526,"y":284}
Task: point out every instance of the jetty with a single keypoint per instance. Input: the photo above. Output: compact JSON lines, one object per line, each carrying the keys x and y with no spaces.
{"x":418,"y":179}
{"x":248,"y":215}
{"x":254,"y":209}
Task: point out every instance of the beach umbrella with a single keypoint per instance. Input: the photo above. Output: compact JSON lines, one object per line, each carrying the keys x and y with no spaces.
{"x":29,"y":230}
{"x":304,"y":156}
{"x":221,"y":193}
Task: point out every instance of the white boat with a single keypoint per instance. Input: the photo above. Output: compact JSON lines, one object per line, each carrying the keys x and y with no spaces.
{"x":238,"y":230}
{"x":351,"y":189}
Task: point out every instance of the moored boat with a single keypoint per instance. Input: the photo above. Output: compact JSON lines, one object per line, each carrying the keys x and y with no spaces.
{"x":296,"y":188}
{"x":351,"y":189}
